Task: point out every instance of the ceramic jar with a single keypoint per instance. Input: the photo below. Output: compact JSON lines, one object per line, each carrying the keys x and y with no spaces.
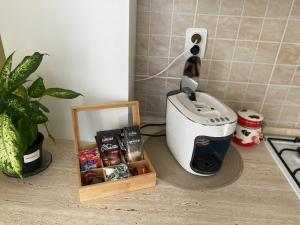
{"x":249,"y":128}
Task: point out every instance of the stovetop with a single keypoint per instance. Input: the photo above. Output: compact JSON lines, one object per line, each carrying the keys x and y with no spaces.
{"x":286,"y":153}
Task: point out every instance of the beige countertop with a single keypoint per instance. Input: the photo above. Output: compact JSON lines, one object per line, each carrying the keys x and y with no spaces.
{"x":260,"y":196}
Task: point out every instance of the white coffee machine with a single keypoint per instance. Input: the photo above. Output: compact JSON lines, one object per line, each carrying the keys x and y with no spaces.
{"x":199,"y":132}
{"x":199,"y":127}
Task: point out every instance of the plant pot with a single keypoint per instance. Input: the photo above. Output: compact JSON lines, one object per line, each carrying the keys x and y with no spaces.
{"x":35,"y":160}
{"x":33,"y":157}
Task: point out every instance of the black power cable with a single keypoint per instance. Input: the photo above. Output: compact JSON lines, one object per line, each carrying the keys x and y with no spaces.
{"x":153,"y":125}
{"x":153,"y":135}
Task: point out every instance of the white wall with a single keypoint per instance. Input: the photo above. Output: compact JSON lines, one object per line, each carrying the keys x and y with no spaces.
{"x":88,"y":43}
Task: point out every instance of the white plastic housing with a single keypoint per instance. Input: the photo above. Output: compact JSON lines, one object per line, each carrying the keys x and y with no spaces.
{"x":184,"y":125}
{"x":188,"y":42}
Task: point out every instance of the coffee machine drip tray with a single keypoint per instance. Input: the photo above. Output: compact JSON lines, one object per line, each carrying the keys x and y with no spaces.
{"x":208,"y":154}
{"x":206,"y":165}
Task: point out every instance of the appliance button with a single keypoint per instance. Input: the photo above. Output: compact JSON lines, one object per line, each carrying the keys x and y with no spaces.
{"x":226,"y":118}
{"x":212,"y":120}
{"x":222,"y":119}
{"x":198,"y":110}
{"x":217,"y":119}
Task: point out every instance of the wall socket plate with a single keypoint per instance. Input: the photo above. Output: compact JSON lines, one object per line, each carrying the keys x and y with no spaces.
{"x":188,"y":42}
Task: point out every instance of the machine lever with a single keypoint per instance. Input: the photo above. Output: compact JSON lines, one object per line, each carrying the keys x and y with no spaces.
{"x":190,"y":93}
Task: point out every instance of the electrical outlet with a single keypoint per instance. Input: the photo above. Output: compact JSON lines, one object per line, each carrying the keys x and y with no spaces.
{"x":189,"y":43}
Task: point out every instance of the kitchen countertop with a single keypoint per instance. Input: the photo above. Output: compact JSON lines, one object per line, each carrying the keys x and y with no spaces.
{"x":260,"y":196}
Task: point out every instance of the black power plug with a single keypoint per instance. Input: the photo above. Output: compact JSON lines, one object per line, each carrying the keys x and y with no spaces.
{"x":195,"y":50}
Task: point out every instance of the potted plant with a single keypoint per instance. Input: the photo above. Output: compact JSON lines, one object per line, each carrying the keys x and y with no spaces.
{"x":21,"y":111}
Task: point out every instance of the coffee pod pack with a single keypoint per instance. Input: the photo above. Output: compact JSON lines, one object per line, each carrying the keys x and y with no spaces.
{"x":133,"y":143}
{"x":109,"y":148}
{"x":89,"y":158}
{"x":117,"y":172}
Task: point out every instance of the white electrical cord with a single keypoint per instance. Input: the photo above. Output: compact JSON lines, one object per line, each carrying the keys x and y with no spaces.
{"x":170,"y":64}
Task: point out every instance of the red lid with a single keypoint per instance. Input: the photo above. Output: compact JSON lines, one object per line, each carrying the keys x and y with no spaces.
{"x":250,"y":118}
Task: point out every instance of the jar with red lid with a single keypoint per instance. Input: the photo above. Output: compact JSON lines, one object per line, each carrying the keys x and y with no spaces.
{"x":249,"y":128}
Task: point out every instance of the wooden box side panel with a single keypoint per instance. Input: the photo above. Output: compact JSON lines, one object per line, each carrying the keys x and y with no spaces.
{"x":117,"y":187}
{"x":106,"y":189}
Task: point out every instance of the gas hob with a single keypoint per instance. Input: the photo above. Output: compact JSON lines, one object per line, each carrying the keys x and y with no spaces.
{"x":286,"y":153}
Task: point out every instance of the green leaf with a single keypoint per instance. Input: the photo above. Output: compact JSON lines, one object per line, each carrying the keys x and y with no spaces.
{"x":49,"y":134}
{"x":34,"y":106}
{"x":1,"y":104}
{"x":28,"y":65}
{"x":28,"y":131}
{"x":38,"y":117}
{"x":22,"y":92}
{"x":17,"y":106}
{"x":61,"y":93}
{"x":43,"y":107}
{"x":37,"y":88}
{"x":11,"y":149}
{"x":39,"y":105}
{"x":4,"y":74}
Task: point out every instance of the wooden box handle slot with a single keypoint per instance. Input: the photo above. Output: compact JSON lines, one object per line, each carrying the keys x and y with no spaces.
{"x":134,"y":105}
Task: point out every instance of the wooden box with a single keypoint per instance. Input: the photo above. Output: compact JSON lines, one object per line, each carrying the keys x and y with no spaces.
{"x":110,"y":188}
